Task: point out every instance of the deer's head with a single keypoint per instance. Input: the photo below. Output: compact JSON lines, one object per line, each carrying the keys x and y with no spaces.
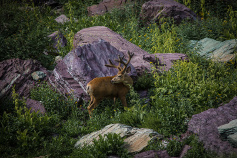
{"x":122,"y":75}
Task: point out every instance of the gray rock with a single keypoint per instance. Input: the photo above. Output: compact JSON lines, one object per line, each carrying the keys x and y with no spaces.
{"x":184,"y":151}
{"x":216,"y":50}
{"x":38,"y":75}
{"x":154,"y":10}
{"x":62,"y":19}
{"x":141,"y":59}
{"x":58,"y":59}
{"x":228,"y":129}
{"x":17,"y":72}
{"x":105,"y":6}
{"x":58,"y":40}
{"x":206,"y":123}
{"x":35,"y":106}
{"x":153,"y":154}
{"x":136,"y":139}
{"x":233,"y":139}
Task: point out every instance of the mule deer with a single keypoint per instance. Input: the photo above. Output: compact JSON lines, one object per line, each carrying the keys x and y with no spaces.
{"x":111,"y":86}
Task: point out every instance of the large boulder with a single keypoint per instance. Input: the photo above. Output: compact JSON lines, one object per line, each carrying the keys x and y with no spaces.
{"x":206,"y":124}
{"x":216,"y":50}
{"x":136,"y":138}
{"x":81,"y":65}
{"x":141,"y":60}
{"x":105,"y":6}
{"x":154,"y":10}
{"x":17,"y":72}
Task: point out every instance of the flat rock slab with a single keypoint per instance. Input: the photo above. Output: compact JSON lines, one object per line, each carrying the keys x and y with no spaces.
{"x":141,"y":59}
{"x":136,"y":138}
{"x":154,"y":10}
{"x":216,"y":50}
{"x":206,"y":123}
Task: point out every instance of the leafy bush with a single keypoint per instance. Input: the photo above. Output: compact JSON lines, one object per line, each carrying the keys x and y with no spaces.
{"x":187,"y":89}
{"x":22,"y":130}
{"x":23,"y":33}
{"x":53,"y":102}
{"x":109,"y":145}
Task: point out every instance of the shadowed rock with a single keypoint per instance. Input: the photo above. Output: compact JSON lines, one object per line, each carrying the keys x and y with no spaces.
{"x":136,"y":138}
{"x":105,"y":6}
{"x":35,"y":106}
{"x":58,"y":40}
{"x":154,"y":10}
{"x":17,"y":72}
{"x":206,"y":123}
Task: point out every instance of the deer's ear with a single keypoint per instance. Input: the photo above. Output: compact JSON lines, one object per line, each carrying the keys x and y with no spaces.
{"x":128,"y":69}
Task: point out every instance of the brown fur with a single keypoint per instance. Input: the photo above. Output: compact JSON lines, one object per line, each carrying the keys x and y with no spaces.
{"x":102,"y":87}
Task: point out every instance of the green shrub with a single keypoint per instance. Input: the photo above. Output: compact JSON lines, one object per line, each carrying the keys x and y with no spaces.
{"x":22,"y":131}
{"x":23,"y":33}
{"x":53,"y":102}
{"x":187,"y":89}
{"x":109,"y":145}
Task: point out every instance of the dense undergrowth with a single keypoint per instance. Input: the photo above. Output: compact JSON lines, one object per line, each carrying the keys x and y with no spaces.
{"x":174,"y":96}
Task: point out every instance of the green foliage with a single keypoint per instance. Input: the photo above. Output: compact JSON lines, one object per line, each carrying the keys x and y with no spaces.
{"x":211,"y":27}
{"x":53,"y":102}
{"x":145,"y":81}
{"x":23,"y":130}
{"x":110,"y":144}
{"x":230,"y":24}
{"x":189,"y":88}
{"x":23,"y":33}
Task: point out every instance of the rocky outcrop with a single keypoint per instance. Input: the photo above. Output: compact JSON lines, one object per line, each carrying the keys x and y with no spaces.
{"x":216,"y":50}
{"x":154,"y":10}
{"x":136,"y":139}
{"x":17,"y":72}
{"x":105,"y":6}
{"x":141,"y":60}
{"x":81,"y":65}
{"x":206,"y":123}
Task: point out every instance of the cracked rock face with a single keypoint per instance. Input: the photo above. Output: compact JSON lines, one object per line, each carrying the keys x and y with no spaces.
{"x":206,"y":124}
{"x":136,"y":138}
{"x":17,"y":72}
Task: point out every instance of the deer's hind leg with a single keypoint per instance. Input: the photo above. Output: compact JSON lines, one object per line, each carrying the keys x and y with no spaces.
{"x":93,"y":104}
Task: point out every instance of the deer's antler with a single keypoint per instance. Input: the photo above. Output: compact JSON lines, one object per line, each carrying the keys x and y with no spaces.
{"x":120,"y":61}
